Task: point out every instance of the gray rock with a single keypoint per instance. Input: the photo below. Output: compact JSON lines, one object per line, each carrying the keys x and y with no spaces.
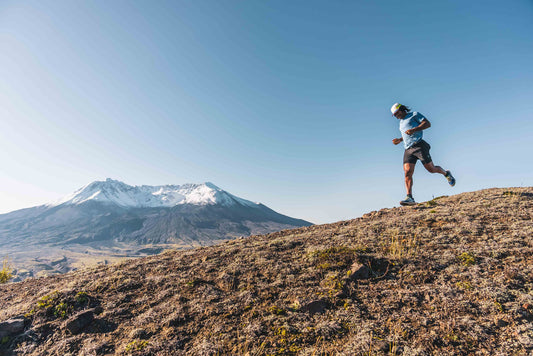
{"x":12,"y":326}
{"x":138,"y":334}
{"x":77,"y":323}
{"x":359,"y":271}
{"x":315,"y":307}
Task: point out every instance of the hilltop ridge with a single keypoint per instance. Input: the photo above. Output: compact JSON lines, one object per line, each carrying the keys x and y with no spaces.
{"x":451,"y":276}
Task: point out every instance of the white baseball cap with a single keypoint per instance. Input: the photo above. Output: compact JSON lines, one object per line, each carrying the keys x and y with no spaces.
{"x":394,"y":109}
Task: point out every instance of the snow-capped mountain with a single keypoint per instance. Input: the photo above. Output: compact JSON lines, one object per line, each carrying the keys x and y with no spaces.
{"x":110,"y":218}
{"x":145,"y":196}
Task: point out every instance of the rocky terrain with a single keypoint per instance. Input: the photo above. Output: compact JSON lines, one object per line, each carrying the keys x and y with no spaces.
{"x":451,"y":276}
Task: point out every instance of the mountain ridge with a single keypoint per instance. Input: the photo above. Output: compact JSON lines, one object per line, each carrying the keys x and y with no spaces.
{"x":119,"y":193}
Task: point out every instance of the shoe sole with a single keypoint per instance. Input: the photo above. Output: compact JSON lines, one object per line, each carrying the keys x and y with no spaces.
{"x":407,"y":204}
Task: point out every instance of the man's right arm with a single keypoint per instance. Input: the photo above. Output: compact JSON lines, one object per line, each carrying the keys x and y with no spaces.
{"x":397,"y":140}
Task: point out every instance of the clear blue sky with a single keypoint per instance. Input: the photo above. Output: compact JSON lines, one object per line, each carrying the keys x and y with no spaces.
{"x":280,"y":102}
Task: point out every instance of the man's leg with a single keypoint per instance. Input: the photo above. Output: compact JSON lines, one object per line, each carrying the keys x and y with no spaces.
{"x":408,"y":169}
{"x":438,"y":169}
{"x":434,"y":169}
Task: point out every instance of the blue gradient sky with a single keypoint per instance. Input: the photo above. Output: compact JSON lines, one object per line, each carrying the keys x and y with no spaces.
{"x":281,"y":102}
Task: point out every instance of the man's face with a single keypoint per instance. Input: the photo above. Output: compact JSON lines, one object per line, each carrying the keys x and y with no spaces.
{"x":400,"y":114}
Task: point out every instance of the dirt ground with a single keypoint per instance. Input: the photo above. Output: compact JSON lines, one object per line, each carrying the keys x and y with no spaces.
{"x":451,"y":276}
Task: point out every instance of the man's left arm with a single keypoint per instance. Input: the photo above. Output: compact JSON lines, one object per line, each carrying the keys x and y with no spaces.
{"x":424,"y":124}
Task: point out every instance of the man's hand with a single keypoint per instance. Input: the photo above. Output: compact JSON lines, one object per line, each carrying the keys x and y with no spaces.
{"x":410,"y":131}
{"x":397,"y":140}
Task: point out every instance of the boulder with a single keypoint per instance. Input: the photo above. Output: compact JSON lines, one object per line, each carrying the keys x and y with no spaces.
{"x":12,"y":326}
{"x":315,"y":307}
{"x":77,"y":323}
{"x":359,"y":271}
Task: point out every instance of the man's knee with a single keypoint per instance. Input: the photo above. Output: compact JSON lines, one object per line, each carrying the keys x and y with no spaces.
{"x":431,"y":168}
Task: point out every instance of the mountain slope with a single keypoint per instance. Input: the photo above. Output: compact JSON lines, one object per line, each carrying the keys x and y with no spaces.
{"x":452,"y":276}
{"x":107,"y":220}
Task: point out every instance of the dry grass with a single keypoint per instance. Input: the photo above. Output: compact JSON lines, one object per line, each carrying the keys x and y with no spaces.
{"x":448,"y":277}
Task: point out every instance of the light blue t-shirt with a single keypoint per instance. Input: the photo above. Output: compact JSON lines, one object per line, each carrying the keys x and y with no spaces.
{"x":410,"y":121}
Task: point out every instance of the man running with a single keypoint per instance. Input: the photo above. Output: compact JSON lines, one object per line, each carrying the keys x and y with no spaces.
{"x":411,"y":126}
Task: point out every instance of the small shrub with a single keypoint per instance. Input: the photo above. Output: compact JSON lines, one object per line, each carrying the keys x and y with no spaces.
{"x":464,"y":285}
{"x":191,"y":283}
{"x":467,"y":259}
{"x":48,"y":301}
{"x":334,"y":258}
{"x":62,"y":310}
{"x":6,"y":271}
{"x":54,"y":304}
{"x":431,"y":203}
{"x":277,"y":310}
{"x":82,"y":297}
{"x":136,"y":345}
{"x":498,"y":306}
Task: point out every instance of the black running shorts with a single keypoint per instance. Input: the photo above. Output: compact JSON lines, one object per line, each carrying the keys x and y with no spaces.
{"x":419,"y":150}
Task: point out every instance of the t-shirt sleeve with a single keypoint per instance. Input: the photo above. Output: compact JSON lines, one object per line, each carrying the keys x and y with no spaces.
{"x":419,"y":117}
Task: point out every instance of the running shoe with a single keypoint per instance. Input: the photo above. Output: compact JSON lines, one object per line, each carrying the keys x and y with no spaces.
{"x":408,"y":201}
{"x":450,"y":178}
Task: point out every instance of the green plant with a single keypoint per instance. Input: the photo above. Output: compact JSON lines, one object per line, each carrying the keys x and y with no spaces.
{"x":467,"y":259}
{"x":82,"y":297}
{"x":333,"y":258}
{"x":62,"y":310}
{"x":464,"y":285}
{"x":498,"y":306}
{"x":48,"y":301}
{"x":277,"y":310}
{"x":54,"y":304}
{"x":333,"y":284}
{"x":136,"y":345}
{"x":191,"y":283}
{"x":431,"y":203}
{"x":6,"y":271}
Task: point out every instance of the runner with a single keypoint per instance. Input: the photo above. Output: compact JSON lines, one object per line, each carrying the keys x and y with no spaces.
{"x":411,"y":126}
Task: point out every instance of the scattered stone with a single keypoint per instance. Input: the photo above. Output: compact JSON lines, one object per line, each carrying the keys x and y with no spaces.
{"x":500,"y":323}
{"x":139,"y":333}
{"x":12,"y":326}
{"x":80,"y":321}
{"x":381,"y":345}
{"x":315,"y":307}
{"x":359,"y":271}
{"x":227,"y":281}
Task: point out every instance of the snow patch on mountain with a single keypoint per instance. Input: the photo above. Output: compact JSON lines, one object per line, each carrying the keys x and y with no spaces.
{"x":116,"y":192}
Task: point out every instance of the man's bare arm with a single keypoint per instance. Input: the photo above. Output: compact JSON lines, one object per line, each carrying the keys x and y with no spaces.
{"x":425,"y":124}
